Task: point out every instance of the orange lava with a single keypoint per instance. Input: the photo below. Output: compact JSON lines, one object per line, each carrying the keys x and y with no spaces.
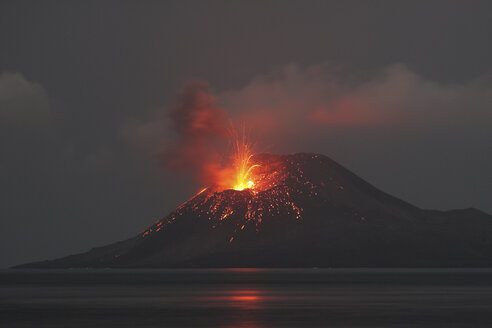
{"x":243,"y":165}
{"x":239,"y":173}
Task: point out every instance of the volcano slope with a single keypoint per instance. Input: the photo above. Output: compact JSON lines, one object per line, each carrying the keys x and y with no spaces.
{"x":305,"y":211}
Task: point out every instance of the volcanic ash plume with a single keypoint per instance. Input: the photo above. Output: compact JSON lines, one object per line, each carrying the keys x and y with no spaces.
{"x":204,"y":132}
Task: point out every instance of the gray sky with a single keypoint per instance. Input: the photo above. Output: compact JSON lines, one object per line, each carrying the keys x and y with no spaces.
{"x":399,"y":92}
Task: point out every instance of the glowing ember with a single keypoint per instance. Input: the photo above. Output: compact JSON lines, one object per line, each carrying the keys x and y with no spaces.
{"x":243,"y":165}
{"x":240,"y":173}
{"x":273,"y":186}
{"x":280,"y":188}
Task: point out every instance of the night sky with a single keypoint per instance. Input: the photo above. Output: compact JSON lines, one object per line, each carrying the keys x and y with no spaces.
{"x":398,"y":92}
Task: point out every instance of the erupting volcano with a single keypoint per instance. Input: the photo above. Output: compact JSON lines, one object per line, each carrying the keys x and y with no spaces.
{"x":243,"y":166}
{"x":300,"y":210}
{"x":241,"y":174}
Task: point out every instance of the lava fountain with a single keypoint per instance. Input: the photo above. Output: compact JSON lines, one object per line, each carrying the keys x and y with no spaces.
{"x":243,"y":164}
{"x":239,"y":172}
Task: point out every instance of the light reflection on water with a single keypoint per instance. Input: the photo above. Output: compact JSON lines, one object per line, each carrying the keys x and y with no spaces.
{"x":242,"y":299}
{"x":246,"y":298}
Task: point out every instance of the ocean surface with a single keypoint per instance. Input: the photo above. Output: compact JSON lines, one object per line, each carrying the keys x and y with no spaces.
{"x":246,"y":298}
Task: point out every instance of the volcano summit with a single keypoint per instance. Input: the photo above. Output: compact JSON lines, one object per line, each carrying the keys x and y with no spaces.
{"x":302,"y":210}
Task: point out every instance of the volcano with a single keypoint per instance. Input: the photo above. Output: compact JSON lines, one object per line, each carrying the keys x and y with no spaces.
{"x":304,"y":211}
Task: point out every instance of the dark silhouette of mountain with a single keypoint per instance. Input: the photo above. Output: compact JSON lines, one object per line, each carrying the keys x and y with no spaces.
{"x":307,"y":211}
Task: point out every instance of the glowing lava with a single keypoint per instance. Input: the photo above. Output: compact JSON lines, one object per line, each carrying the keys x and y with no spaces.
{"x":243,"y":165}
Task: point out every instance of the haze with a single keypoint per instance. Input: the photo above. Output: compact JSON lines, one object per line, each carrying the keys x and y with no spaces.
{"x":399,"y":93}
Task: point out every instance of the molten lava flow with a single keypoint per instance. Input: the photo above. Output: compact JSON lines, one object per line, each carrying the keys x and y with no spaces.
{"x":278,"y":188}
{"x":243,"y":166}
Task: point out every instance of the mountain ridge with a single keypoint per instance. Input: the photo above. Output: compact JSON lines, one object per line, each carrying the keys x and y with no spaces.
{"x":308,"y":211}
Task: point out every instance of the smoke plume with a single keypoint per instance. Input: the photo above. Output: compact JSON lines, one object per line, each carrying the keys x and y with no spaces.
{"x":202,"y":129}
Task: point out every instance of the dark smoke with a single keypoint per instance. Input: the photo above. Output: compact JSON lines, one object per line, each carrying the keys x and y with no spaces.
{"x":202,"y":129}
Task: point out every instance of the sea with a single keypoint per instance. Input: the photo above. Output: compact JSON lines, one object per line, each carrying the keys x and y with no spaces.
{"x":246,"y":298}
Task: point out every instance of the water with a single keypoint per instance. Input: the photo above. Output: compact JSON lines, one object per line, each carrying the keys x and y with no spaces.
{"x":246,"y":298}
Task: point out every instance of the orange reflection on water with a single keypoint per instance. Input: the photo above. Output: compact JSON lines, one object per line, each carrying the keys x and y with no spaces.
{"x":240,"y":298}
{"x":243,"y":295}
{"x":244,"y":298}
{"x":243,"y":302}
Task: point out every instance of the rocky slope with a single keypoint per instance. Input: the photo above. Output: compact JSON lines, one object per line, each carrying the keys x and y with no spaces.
{"x":306,"y":211}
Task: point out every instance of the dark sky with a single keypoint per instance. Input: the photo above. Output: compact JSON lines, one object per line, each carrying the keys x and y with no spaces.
{"x":398,"y":92}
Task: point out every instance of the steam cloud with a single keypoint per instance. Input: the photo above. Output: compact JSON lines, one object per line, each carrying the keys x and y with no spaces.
{"x":297,"y":108}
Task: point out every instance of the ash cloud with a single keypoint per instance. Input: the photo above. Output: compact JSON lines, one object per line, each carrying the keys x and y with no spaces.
{"x":415,"y":127}
{"x":430,"y":135}
{"x":318,"y":98}
{"x":201,"y":127}
{"x":201,"y":131}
